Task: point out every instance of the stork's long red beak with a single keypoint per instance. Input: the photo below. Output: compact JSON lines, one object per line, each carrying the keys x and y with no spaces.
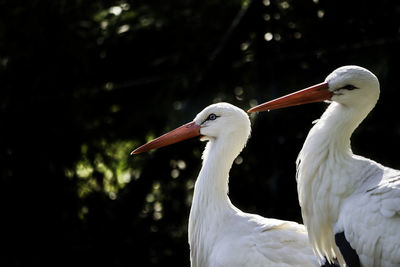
{"x":316,"y":93}
{"x":184,"y":132}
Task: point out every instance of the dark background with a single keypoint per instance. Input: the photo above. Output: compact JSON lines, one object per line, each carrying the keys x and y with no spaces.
{"x":82,"y":83}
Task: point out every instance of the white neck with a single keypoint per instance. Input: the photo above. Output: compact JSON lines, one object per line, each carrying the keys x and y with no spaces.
{"x":325,"y":177}
{"x":210,"y":203}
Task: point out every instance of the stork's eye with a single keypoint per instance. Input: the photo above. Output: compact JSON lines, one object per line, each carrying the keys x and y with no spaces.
{"x":349,"y":87}
{"x":210,"y":117}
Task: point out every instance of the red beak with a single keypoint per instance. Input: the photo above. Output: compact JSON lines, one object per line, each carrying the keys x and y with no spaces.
{"x":184,"y":132}
{"x":316,"y":93}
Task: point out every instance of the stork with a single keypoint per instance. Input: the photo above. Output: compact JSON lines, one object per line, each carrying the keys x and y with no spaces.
{"x":219,"y":233}
{"x":350,"y":204}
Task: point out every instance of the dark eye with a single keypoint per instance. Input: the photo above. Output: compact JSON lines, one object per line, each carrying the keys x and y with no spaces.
{"x":212,"y":117}
{"x":349,"y":87}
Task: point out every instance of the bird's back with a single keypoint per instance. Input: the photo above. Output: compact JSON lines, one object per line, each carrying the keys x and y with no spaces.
{"x":370,"y":218}
{"x":251,"y":240}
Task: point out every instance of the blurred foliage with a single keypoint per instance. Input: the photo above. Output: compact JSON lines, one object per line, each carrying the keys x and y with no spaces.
{"x":82,"y":83}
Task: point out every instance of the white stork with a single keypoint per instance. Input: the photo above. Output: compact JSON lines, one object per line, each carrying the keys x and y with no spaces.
{"x":219,"y":233}
{"x":350,"y":204}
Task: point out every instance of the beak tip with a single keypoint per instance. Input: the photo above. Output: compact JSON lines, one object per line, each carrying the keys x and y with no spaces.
{"x":257,"y":109}
{"x":134,"y":152}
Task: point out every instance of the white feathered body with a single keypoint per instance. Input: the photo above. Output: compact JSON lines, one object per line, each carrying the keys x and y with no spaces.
{"x":341,"y":192}
{"x":240,"y":239}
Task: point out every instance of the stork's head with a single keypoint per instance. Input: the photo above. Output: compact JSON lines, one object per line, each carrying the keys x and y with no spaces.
{"x":352,"y":86}
{"x":221,"y":120}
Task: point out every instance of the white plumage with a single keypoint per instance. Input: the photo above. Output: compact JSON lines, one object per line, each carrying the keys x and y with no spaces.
{"x":219,"y":233}
{"x":342,"y":193}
